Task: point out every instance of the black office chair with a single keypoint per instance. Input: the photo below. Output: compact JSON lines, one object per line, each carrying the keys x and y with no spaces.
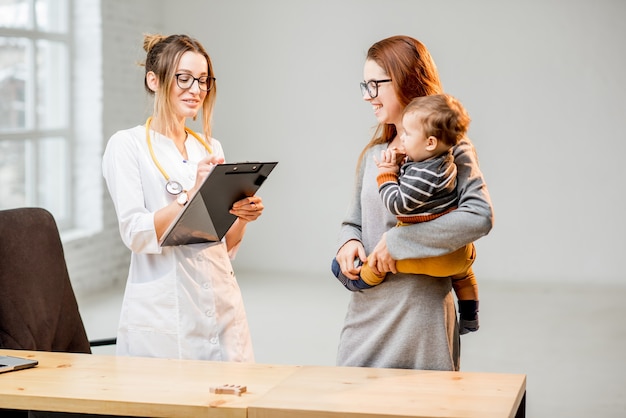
{"x":38,"y":308}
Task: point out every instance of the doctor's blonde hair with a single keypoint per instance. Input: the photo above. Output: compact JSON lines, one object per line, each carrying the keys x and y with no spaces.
{"x":163,"y":56}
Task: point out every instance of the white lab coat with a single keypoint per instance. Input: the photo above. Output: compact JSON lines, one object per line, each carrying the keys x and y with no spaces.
{"x":183,"y":301}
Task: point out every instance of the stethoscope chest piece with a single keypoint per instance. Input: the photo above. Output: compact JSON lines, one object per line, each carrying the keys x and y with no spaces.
{"x":173,"y":187}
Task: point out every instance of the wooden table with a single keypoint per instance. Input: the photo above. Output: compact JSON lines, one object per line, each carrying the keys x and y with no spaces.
{"x":361,"y":392}
{"x":128,"y":386}
{"x":134,"y":386}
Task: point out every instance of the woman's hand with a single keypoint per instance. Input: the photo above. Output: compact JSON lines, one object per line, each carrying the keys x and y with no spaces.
{"x":248,"y":209}
{"x":346,"y":256}
{"x":205,"y":166}
{"x":380,"y":260}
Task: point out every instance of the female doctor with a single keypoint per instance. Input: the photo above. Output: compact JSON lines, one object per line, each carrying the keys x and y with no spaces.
{"x":180,"y":301}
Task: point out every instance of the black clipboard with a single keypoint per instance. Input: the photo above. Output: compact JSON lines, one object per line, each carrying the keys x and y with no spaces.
{"x":10,"y":363}
{"x":206,"y":216}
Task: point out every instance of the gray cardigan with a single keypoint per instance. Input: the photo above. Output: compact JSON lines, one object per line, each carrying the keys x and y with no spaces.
{"x":409,"y":321}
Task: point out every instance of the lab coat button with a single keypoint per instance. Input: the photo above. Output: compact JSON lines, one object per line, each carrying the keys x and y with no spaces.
{"x":209,"y":313}
{"x":206,"y":285}
{"x":213,"y":340}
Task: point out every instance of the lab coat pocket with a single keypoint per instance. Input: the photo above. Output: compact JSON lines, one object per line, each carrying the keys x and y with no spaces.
{"x":153,"y":318}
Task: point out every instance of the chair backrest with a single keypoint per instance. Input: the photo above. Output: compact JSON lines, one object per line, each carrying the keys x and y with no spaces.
{"x":38,"y":308}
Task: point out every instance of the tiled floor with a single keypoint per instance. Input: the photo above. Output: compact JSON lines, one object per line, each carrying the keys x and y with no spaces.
{"x":570,"y":341}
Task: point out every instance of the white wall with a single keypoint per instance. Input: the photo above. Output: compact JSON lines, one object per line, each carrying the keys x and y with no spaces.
{"x":542,"y":80}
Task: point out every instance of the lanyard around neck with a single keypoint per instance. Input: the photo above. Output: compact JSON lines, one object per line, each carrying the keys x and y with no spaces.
{"x":154,"y":158}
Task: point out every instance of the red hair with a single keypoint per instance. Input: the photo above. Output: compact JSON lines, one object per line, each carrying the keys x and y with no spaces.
{"x":413,"y":74}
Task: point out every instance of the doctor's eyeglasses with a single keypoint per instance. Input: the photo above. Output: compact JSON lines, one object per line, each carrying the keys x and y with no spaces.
{"x":185,"y":81}
{"x":371,"y":87}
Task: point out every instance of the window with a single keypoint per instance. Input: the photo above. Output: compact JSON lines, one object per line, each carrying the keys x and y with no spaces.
{"x":35,"y":107}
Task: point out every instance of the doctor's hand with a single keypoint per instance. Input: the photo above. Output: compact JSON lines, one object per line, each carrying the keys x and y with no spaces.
{"x":248,"y":209}
{"x":205,"y":166}
{"x":346,"y":256}
{"x":380,"y":260}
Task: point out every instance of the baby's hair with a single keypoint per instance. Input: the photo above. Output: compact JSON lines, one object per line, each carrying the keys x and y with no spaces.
{"x":443,"y":116}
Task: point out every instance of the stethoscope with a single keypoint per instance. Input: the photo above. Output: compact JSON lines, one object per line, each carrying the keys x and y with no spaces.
{"x":172,"y":186}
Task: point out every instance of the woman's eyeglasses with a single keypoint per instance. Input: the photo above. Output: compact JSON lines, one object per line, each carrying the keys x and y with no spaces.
{"x":371,"y":87}
{"x":185,"y":81}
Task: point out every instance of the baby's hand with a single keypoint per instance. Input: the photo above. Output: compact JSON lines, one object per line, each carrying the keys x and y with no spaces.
{"x":388,"y":161}
{"x":400,"y":155}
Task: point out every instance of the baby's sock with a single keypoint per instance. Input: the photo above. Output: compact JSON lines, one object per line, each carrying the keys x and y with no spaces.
{"x":352,"y":285}
{"x":468,"y":315}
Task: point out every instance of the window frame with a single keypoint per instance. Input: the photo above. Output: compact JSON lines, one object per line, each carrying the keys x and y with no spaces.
{"x":33,"y":132}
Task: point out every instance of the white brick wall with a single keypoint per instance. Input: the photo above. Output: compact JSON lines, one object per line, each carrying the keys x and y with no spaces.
{"x":109,"y":97}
